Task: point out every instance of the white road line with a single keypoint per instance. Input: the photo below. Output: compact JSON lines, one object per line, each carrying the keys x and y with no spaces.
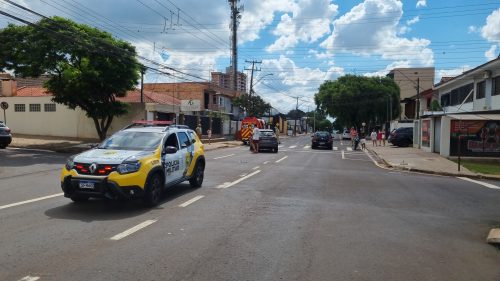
{"x":265,"y":162}
{"x":255,"y":168}
{"x":132,"y":230}
{"x":238,"y":180}
{"x":30,"y":149}
{"x":343,"y":156}
{"x":277,"y":161}
{"x":30,"y":201}
{"x":29,"y":278}
{"x":293,"y":146}
{"x":335,"y":148}
{"x":191,"y":201}
{"x":489,"y":185}
{"x":280,"y":146}
{"x":349,"y":148}
{"x":224,"y":156}
{"x":307,"y":146}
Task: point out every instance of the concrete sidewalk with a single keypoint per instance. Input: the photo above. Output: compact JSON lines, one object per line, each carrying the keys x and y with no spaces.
{"x":73,"y":145}
{"x":417,"y":160}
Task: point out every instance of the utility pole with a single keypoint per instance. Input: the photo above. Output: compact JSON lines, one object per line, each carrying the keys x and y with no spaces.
{"x":418,"y":97}
{"x":235,"y":17}
{"x":251,"y":77}
{"x":296,"y":116}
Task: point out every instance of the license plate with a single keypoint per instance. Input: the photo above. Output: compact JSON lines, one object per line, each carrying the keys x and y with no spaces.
{"x":87,"y":184}
{"x":322,"y":143}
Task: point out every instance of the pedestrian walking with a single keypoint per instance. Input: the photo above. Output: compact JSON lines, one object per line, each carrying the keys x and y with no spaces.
{"x":209,"y":133}
{"x":363,"y":142}
{"x":255,"y":139}
{"x":373,"y":136}
{"x":198,"y":130}
{"x":353,"y":134}
{"x":383,"y":138}
{"x":277,"y":132}
{"x":379,"y":137}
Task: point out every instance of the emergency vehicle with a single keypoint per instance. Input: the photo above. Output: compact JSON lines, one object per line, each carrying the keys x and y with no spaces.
{"x":247,"y":125}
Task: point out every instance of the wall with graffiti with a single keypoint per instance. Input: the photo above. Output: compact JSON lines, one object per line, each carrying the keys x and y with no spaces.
{"x":475,"y":138}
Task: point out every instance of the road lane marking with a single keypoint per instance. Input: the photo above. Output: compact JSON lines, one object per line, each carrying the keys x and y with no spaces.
{"x":132,"y":230}
{"x":265,"y":162}
{"x":277,"y":161}
{"x":255,"y":168}
{"x":307,"y":146}
{"x":343,"y":156}
{"x":30,"y":201}
{"x":29,"y":278}
{"x":349,"y":148}
{"x":225,"y":156}
{"x":335,"y":148}
{"x":238,"y":180}
{"x":293,"y":146}
{"x":489,"y":185}
{"x":280,"y":146}
{"x":191,"y":201}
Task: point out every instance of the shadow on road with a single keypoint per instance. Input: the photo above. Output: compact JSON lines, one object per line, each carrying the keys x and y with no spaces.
{"x":105,"y":209}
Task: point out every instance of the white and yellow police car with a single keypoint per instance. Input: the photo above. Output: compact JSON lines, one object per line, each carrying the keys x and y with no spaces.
{"x":139,"y":161}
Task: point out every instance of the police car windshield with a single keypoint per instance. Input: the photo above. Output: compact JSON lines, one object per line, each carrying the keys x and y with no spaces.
{"x":131,"y":140}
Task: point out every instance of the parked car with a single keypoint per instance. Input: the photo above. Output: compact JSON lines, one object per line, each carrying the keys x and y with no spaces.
{"x":268,"y":140}
{"x":402,"y":136}
{"x":346,"y":135}
{"x":139,"y":161}
{"x":5,"y":135}
{"x":322,"y":139}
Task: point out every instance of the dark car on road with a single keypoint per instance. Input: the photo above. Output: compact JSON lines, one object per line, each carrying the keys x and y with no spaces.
{"x":5,"y":135}
{"x":322,"y":139}
{"x":268,"y":140}
{"x":402,"y":136}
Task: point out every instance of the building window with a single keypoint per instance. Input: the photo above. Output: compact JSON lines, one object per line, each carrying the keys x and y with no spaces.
{"x":214,"y":101}
{"x":19,"y":107}
{"x":49,"y":107}
{"x":481,"y":90}
{"x":463,"y":93}
{"x":496,"y":86}
{"x":454,"y":97}
{"x":35,"y":107}
{"x":445,"y":100}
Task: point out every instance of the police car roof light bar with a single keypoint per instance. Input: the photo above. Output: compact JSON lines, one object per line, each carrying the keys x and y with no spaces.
{"x":148,"y":123}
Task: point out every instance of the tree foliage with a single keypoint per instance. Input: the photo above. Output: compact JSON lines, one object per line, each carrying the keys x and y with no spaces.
{"x":295,"y":114}
{"x":253,"y":105}
{"x":353,"y":100}
{"x":88,"y":67}
{"x":316,"y":120}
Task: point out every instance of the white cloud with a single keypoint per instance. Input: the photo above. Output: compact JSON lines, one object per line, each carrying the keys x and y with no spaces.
{"x":491,"y":31}
{"x":472,"y":29}
{"x":451,"y":72}
{"x":421,"y":3}
{"x":309,"y":21}
{"x":413,"y":20}
{"x":366,"y":30}
{"x":491,"y":54}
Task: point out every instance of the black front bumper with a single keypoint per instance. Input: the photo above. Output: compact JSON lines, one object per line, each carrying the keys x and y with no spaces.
{"x":5,"y":139}
{"x":102,"y":189}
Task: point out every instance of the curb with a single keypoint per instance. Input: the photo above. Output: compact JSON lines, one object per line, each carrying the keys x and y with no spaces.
{"x":431,"y":172}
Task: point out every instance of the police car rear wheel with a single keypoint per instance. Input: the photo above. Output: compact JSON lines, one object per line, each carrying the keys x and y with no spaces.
{"x":197,"y":180}
{"x":153,"y":190}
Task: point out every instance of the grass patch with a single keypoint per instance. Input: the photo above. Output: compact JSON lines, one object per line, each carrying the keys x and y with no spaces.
{"x":490,"y":168}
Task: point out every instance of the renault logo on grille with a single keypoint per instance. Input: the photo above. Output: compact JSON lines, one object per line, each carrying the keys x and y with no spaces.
{"x":93,"y":168}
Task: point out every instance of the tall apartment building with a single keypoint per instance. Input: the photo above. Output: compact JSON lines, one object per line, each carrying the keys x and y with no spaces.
{"x":409,"y":80}
{"x":224,"y":80}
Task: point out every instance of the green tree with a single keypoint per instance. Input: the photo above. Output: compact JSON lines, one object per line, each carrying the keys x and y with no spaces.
{"x":254,"y":105}
{"x":89,"y":68}
{"x":355,"y":99}
{"x":295,"y":114}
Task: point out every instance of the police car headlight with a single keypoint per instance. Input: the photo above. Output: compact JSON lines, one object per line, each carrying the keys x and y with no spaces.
{"x":70,"y":163}
{"x":128,"y":167}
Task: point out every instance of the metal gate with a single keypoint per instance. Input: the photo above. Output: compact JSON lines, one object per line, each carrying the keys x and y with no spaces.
{"x":437,"y":135}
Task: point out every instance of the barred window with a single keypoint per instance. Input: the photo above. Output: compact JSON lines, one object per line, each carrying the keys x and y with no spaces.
{"x":19,"y":107}
{"x":49,"y":107}
{"x":35,"y":107}
{"x":496,"y":86}
{"x":481,"y":90}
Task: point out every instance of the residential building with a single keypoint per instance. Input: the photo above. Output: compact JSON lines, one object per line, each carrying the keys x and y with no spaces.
{"x":469,"y":122}
{"x":412,"y":81}
{"x":225,"y":80}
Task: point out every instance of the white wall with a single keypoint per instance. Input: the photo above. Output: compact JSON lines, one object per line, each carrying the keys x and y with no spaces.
{"x":445,"y":136}
{"x":64,"y":122}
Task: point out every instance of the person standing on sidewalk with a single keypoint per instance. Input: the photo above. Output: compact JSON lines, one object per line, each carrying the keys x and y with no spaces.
{"x":209,"y":133}
{"x":198,"y":131}
{"x":255,"y":139}
{"x":373,"y":136}
{"x":277,"y":132}
{"x":379,"y":137}
{"x":383,"y":138}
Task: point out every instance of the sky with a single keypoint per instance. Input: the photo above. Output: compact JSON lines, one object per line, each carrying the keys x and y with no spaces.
{"x":301,"y":43}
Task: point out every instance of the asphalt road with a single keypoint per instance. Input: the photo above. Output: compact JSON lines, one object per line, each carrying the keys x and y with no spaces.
{"x":300,"y":214}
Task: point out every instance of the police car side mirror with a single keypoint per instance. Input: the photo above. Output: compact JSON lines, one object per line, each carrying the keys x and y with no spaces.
{"x":169,"y":150}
